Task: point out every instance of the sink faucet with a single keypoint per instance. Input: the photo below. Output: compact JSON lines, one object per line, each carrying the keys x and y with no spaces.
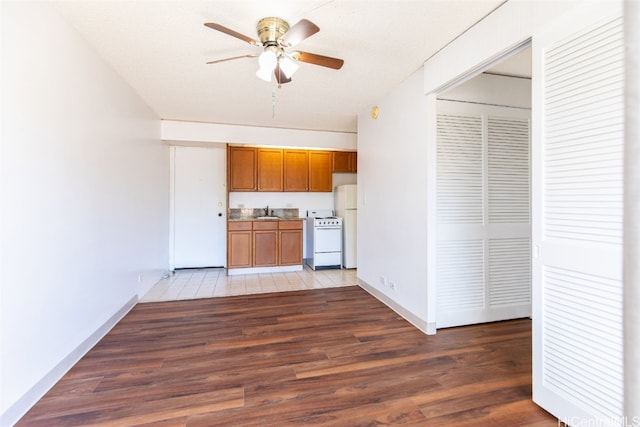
{"x":266,"y":211}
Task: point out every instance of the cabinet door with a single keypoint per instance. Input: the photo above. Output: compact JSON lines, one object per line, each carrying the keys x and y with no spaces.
{"x":269,"y":169}
{"x":265,"y":248}
{"x":290,"y":247}
{"x":353,"y":162}
{"x":320,"y":171}
{"x":341,"y":161}
{"x":242,"y":169}
{"x":345,"y":161}
{"x":296,"y":170}
{"x":239,"y":249}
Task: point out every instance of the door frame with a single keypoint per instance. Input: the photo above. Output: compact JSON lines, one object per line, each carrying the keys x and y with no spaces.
{"x":432,"y":222}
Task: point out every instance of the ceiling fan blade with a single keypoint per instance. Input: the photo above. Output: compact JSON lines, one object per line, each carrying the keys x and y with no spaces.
{"x":300,"y":31}
{"x":249,"y":55}
{"x":314,"y":58}
{"x":279,"y":75}
{"x":232,"y":33}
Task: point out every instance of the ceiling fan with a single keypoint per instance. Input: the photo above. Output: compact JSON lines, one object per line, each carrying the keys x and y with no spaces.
{"x":276,"y":39}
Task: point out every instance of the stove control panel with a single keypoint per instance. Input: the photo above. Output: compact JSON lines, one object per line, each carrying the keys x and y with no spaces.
{"x":328,"y":222}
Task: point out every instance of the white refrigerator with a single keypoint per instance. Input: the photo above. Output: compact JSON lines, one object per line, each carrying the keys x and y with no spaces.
{"x":346,"y":204}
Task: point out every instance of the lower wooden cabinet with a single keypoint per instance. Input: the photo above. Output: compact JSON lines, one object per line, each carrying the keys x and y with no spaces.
{"x":239,"y":244}
{"x":290,"y":243}
{"x":264,"y":243}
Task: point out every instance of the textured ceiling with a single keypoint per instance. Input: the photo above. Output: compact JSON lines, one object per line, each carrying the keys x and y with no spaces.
{"x":161,"y":48}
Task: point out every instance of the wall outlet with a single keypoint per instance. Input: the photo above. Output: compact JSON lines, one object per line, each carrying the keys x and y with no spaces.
{"x":383,"y":281}
{"x":392,"y":285}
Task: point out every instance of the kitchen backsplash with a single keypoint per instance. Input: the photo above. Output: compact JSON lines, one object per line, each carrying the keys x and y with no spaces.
{"x":248,"y":213}
{"x":303,"y":201}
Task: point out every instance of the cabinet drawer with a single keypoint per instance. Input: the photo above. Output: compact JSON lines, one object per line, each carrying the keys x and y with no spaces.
{"x":265,"y":225}
{"x":291,"y":225}
{"x":238,"y":225}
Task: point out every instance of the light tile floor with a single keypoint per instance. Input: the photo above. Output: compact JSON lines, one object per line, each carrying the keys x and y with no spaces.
{"x":214,"y":282}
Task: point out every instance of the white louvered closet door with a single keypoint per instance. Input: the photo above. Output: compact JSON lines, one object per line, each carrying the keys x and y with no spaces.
{"x":577,"y":165}
{"x":483,"y":259}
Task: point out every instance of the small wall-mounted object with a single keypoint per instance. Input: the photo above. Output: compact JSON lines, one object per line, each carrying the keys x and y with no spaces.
{"x":375,"y":111}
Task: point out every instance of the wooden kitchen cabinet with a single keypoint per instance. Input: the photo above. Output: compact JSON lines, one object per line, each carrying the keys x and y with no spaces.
{"x":265,"y":243}
{"x":345,"y":162}
{"x":239,"y":244}
{"x":290,"y":242}
{"x":242,"y":169}
{"x":275,"y":169}
{"x":296,"y":170}
{"x":270,"y":169}
{"x":320,"y":163}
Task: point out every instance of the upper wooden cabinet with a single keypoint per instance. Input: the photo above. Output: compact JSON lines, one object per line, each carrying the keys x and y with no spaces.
{"x":320,"y":171}
{"x":242,"y":169}
{"x":345,"y":161}
{"x":275,"y":169}
{"x":270,"y":168}
{"x":296,"y":170}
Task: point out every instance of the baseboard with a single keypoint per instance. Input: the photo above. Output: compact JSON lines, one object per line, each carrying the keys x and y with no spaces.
{"x":16,"y":411}
{"x":258,"y":270}
{"x":406,"y":314}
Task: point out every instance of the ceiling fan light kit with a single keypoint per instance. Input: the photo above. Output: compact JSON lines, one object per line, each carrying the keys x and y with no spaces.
{"x":276,"y":36}
{"x":288,"y":66}
{"x":267,"y":61}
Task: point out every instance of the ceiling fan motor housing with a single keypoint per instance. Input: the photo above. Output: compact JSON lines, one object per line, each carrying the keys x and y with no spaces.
{"x":271,"y":29}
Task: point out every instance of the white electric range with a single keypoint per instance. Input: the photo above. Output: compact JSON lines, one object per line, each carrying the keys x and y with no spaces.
{"x":324,"y":237}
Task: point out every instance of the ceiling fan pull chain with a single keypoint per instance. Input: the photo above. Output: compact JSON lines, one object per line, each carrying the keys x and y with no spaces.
{"x":273,"y":102}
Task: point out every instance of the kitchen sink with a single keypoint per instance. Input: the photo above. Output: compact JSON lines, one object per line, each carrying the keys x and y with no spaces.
{"x":268,"y":217}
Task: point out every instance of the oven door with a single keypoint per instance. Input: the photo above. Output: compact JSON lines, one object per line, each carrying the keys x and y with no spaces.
{"x":327,"y":239}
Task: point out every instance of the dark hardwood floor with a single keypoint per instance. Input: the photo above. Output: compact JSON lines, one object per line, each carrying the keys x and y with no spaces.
{"x":329,"y":357}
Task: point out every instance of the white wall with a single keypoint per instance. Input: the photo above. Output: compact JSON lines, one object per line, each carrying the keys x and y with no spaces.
{"x":493,"y":90}
{"x":509,"y":26}
{"x":236,"y":134}
{"x":392,"y":208}
{"x":84,"y":201}
{"x":302,"y":200}
{"x":394,"y":152}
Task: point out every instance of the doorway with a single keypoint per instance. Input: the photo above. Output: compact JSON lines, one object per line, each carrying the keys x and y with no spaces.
{"x":483,"y":247}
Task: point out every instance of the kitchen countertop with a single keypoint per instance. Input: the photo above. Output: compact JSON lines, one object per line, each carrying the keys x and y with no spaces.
{"x":270,"y":219}
{"x":252,"y":214}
